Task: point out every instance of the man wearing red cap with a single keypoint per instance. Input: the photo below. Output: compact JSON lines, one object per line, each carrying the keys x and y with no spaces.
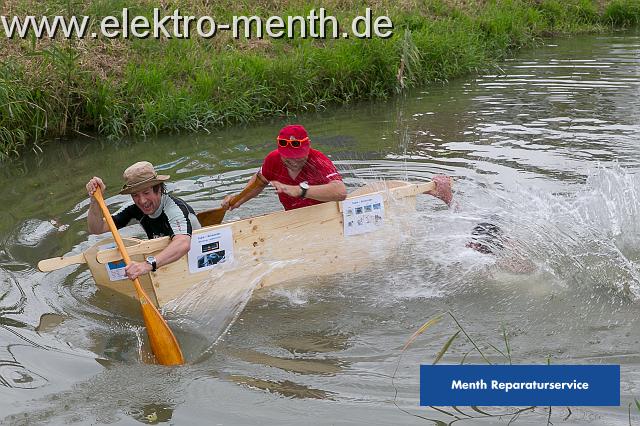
{"x":302,"y":176}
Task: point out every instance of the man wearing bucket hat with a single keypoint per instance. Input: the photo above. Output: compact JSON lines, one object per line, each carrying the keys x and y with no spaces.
{"x":301,"y":175}
{"x":159,"y":214}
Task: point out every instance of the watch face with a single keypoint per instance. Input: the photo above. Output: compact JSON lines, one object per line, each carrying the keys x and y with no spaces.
{"x":152,"y":261}
{"x":304,"y":185}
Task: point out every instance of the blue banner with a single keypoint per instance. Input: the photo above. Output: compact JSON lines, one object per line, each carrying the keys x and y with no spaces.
{"x":520,"y":385}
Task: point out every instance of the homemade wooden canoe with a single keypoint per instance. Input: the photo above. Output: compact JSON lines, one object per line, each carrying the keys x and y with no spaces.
{"x":324,"y":239}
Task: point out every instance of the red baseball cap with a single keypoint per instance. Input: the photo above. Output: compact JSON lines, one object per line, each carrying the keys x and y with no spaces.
{"x":294,"y":132}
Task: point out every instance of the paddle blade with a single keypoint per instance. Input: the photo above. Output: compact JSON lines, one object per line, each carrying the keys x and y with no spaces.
{"x":48,"y":265}
{"x":215,"y":216}
{"x":164,"y":345}
{"x":211,"y":216}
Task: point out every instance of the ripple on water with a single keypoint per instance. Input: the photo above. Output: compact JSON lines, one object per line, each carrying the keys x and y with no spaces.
{"x":15,"y":375}
{"x":12,"y":297}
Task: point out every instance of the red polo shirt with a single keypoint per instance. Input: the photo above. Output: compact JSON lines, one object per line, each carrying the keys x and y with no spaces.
{"x":318,"y":170}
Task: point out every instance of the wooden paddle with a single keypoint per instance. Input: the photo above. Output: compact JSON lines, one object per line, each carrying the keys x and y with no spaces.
{"x":215,"y":216}
{"x":55,"y":263}
{"x":163,"y":343}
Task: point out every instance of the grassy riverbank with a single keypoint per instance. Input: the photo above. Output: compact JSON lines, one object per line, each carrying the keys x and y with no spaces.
{"x":114,"y":88}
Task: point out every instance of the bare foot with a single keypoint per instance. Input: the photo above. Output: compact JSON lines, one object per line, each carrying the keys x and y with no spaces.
{"x":443,"y":189}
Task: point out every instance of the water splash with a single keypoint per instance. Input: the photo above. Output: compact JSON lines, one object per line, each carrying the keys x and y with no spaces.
{"x":586,"y":239}
{"x":207,"y":312}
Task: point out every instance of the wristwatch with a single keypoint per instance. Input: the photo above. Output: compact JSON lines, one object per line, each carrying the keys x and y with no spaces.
{"x":152,"y":261}
{"x":305,"y":187}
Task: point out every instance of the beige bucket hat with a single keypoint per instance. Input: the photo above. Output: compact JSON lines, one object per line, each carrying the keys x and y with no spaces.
{"x":139,"y":176}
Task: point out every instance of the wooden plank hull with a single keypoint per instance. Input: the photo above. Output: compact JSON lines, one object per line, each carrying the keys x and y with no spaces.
{"x":275,"y":248}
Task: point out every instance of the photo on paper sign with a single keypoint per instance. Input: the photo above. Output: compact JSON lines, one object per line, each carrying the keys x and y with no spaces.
{"x":367,"y":208}
{"x":377,"y":206}
{"x":117,"y":264}
{"x":358,"y":210}
{"x":115,"y":270}
{"x":211,"y":259}
{"x":210,"y":246}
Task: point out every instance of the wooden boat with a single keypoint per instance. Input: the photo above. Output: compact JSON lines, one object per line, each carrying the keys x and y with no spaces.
{"x":271,"y":249}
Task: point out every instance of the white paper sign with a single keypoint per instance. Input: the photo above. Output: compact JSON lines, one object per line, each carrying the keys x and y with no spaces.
{"x":115,"y":269}
{"x":363,"y":214}
{"x":210,"y":249}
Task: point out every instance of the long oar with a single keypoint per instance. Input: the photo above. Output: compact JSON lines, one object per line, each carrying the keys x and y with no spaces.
{"x":163,"y":343}
{"x":215,"y":216}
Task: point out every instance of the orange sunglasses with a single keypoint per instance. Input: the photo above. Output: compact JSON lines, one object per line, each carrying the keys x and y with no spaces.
{"x":294,"y":143}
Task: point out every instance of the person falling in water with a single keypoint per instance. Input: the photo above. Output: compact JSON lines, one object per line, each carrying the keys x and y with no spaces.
{"x":488,"y":238}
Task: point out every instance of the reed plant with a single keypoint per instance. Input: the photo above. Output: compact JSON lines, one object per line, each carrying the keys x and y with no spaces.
{"x":490,"y":354}
{"x":56,"y":89}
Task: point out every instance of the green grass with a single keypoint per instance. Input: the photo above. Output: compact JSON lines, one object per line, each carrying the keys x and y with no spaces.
{"x":24,"y":122}
{"x":622,"y":13}
{"x":116,"y":88}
